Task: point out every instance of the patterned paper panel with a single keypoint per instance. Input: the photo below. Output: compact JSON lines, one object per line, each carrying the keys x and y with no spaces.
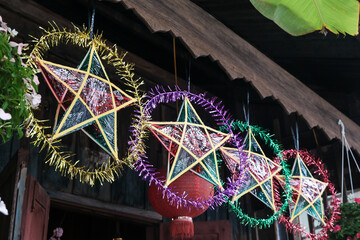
{"x":200,"y":171}
{"x":184,"y":160}
{"x":78,"y":114}
{"x":249,"y":183}
{"x":107,"y":124}
{"x":251,"y":145}
{"x":258,"y":166}
{"x":300,"y":205}
{"x":295,"y":183}
{"x":94,"y":132}
{"x":229,"y":161}
{"x":274,"y":168}
{"x":119,"y":98}
{"x":210,"y":163}
{"x":304,"y":171}
{"x":97,"y":96}
{"x":59,"y":89}
{"x":216,"y":138}
{"x":71,"y":77}
{"x":172,"y":130}
{"x":319,"y":208}
{"x":163,"y":133}
{"x":312,"y":212}
{"x":173,"y":149}
{"x":259,"y":193}
{"x":196,"y":141}
{"x":309,"y":189}
{"x":296,"y":169}
{"x":95,"y":68}
{"x":268,"y":190}
{"x":190,"y":117}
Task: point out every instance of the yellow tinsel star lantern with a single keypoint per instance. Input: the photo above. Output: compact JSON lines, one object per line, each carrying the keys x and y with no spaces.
{"x":90,"y":101}
{"x":90,"y":98}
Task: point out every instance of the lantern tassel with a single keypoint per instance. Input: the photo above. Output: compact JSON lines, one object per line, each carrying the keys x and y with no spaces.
{"x":182,"y":228}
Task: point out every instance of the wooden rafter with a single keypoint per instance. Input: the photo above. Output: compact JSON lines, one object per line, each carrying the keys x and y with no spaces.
{"x":203,"y":35}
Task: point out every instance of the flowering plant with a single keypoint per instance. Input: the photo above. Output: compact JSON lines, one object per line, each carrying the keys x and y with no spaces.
{"x":18,"y":85}
{"x":57,"y":234}
{"x":348,"y":225}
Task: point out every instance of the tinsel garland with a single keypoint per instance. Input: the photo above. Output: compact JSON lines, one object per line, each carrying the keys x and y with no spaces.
{"x":332,"y":210}
{"x":276,"y":148}
{"x":148,"y":172}
{"x":36,"y":129}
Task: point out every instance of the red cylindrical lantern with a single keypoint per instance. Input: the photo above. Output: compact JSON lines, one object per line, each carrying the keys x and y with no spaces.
{"x":194,"y":187}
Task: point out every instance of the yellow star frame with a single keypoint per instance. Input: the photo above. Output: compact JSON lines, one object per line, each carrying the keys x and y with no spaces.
{"x":58,"y":133}
{"x":300,"y":180}
{"x":233,"y":154}
{"x":199,"y":160}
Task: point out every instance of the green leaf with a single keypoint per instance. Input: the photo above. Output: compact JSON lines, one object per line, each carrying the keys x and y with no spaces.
{"x":298,"y":17}
{"x":5,"y":104}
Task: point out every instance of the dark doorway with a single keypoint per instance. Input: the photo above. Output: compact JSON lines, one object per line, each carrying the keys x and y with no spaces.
{"x":90,"y":226}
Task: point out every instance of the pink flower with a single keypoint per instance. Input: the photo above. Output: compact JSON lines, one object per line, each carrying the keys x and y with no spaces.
{"x":3,"y":209}
{"x":349,"y":238}
{"x":58,"y":232}
{"x":358,"y":235}
{"x":357,"y":200}
{"x":12,"y":32}
{"x":337,"y":228}
{"x":3,"y":27}
{"x":36,"y":80}
{"x":18,"y":45}
{"x":4,"y":115}
{"x":33,"y":99}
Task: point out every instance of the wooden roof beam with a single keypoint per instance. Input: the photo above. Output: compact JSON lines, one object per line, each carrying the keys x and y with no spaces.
{"x":203,"y":35}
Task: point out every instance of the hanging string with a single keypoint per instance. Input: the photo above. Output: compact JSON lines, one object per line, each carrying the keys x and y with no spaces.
{"x":175,"y":68}
{"x":345,"y":146}
{"x":175,"y":71}
{"x":342,"y":157}
{"x":246,"y":108}
{"x":188,"y":75}
{"x":295,"y":136}
{"x":91,"y":18}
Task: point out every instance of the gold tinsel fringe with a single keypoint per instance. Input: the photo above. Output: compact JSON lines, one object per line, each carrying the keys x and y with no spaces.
{"x":36,"y":129}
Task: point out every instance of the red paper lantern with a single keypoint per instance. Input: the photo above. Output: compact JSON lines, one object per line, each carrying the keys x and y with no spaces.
{"x":194,"y":187}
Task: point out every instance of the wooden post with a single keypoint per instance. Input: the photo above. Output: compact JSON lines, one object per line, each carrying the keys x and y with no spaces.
{"x":19,"y":188}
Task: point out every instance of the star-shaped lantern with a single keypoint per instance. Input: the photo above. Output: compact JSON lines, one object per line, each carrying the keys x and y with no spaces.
{"x":91,"y":101}
{"x":307,"y":192}
{"x":191,"y":145}
{"x":260,"y":173}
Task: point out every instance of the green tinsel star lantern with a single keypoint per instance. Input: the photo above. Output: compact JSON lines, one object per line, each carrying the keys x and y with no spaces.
{"x":191,"y":145}
{"x":260,"y":174}
{"x":307,"y":192}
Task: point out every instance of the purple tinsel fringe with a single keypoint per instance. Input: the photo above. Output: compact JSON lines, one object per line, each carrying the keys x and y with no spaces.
{"x":148,"y":172}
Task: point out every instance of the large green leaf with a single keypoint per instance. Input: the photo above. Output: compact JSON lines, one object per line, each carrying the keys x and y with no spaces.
{"x":299,"y":17}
